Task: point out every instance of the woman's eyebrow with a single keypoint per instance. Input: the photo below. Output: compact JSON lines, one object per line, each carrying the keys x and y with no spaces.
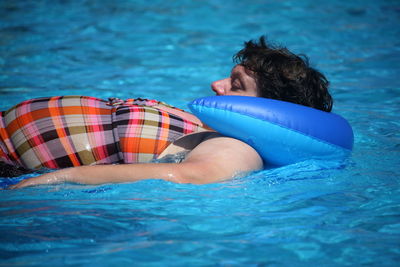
{"x":235,"y":73}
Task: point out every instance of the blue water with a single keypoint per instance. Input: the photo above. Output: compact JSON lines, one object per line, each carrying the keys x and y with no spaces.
{"x":302,"y":214}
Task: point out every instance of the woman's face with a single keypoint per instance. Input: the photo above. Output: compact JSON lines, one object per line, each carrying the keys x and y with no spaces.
{"x":241,"y":82}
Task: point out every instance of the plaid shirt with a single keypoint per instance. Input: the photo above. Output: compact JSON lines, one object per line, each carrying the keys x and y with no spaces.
{"x":67,"y":131}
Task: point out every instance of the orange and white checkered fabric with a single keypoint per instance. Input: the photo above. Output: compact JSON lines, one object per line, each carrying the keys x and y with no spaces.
{"x":66,"y":131}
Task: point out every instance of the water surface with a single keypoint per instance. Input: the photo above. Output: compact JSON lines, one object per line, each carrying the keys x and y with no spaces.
{"x":307,"y":213}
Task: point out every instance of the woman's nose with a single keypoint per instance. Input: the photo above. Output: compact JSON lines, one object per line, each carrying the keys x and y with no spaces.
{"x":221,"y":87}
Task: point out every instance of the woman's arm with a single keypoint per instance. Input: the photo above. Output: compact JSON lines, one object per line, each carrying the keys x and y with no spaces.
{"x":101,"y":174}
{"x":213,"y":160}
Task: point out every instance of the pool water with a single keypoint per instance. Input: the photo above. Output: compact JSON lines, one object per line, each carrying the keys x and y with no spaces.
{"x":320,"y":213}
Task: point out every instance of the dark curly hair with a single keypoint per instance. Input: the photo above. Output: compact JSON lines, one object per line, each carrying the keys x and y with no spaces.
{"x":282,"y":75}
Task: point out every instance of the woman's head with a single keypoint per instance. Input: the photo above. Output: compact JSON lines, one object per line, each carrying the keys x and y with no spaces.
{"x":274,"y":72}
{"x":282,"y":75}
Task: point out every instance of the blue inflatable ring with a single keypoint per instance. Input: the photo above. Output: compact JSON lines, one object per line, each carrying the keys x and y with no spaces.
{"x":281,"y":132}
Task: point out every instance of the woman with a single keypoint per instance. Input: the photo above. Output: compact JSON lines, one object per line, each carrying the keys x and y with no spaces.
{"x":262,"y":71}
